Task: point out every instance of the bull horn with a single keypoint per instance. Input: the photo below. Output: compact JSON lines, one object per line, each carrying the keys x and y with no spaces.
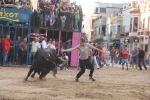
{"x":49,"y":60}
{"x":46,"y":58}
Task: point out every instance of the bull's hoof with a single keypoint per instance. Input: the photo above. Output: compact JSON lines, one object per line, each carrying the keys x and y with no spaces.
{"x":25,"y":80}
{"x":54,"y":75}
{"x":32,"y":75}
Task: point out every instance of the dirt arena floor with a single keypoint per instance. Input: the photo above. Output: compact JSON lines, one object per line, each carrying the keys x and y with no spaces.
{"x":111,"y":84}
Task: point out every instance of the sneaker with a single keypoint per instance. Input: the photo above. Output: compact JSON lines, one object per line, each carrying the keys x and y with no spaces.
{"x":92,"y":78}
{"x":76,"y":79}
{"x":136,"y":70}
{"x":4,"y":65}
{"x":67,"y":69}
{"x":132,"y":69}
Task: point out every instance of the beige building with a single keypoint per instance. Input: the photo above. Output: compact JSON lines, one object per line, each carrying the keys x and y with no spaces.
{"x":114,"y":36}
{"x":98,"y":25}
{"x":139,"y":25}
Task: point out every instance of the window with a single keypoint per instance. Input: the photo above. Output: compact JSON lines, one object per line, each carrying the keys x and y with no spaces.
{"x":146,"y":47}
{"x":135,"y":24}
{"x":130,"y":24}
{"x":130,"y":4}
{"x":92,"y":22}
{"x":99,"y":30}
{"x":119,"y":28}
{"x":102,"y":10}
{"x":96,"y":11}
{"x":143,"y":23}
{"x":103,"y":30}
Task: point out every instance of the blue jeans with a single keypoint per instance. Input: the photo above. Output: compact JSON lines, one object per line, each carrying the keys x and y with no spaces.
{"x":76,"y":23}
{"x":58,"y":22}
{"x":5,"y":58}
{"x":31,"y":55}
{"x":124,"y":61}
{"x":143,"y":62}
{"x":63,"y":21}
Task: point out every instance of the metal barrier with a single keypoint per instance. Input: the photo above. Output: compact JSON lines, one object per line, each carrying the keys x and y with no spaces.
{"x":14,"y":16}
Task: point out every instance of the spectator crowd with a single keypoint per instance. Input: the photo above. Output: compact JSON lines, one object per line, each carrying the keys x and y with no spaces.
{"x":135,"y":58}
{"x":19,"y":4}
{"x":16,"y":51}
{"x":60,"y":14}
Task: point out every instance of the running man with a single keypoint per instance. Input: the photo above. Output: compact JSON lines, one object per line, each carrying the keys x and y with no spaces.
{"x":135,"y":58}
{"x":113,"y":55}
{"x":141,"y":57}
{"x":125,"y":57}
{"x":84,"y":60}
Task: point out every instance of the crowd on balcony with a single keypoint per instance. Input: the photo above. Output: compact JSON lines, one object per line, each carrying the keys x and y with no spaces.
{"x":60,"y":14}
{"x":19,"y":4}
{"x":53,"y":13}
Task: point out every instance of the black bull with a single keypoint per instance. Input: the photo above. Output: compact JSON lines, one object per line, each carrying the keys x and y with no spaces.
{"x":44,"y":61}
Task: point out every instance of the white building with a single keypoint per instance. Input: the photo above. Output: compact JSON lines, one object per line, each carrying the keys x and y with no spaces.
{"x":86,"y":27}
{"x":103,"y":10}
{"x":136,"y":16}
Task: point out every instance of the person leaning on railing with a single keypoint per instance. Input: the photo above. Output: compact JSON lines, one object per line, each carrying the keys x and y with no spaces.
{"x":44,"y":12}
{"x":77,"y":18}
{"x":57,"y":17}
{"x":8,"y":3}
{"x":63,"y":12}
{"x":18,"y":5}
{"x":29,"y":4}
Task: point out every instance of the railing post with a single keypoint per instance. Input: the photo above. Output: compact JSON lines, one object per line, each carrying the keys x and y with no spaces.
{"x":9,"y":30}
{"x":22,"y":31}
{"x":14,"y":46}
{"x":28,"y":36}
{"x":53,"y":34}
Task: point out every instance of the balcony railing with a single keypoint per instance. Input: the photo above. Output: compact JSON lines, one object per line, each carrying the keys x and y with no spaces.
{"x":55,"y":21}
{"x":101,"y":21}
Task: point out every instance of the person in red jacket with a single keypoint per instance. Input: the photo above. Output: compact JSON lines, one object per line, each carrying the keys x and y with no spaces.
{"x":125,"y":57}
{"x":6,"y":48}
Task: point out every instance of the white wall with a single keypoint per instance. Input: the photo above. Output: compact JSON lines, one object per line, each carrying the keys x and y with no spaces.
{"x":34,"y":3}
{"x":126,"y":19}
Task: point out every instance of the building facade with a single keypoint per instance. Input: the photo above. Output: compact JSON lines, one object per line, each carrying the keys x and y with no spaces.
{"x":100,"y":25}
{"x":136,"y":25}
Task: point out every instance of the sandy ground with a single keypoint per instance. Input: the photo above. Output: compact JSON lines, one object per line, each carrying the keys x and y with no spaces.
{"x":111,"y":84}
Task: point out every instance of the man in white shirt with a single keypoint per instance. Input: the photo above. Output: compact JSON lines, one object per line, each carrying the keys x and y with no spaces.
{"x":64,"y":64}
{"x":44,"y":43}
{"x":34,"y":47}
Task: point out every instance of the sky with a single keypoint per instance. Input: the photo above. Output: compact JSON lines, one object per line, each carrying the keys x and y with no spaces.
{"x":88,"y":5}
